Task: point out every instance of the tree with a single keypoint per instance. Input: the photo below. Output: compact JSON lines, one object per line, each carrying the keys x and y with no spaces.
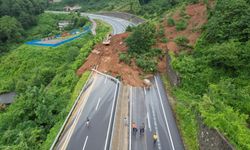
{"x":10,"y":29}
{"x":230,"y":20}
{"x":142,"y":38}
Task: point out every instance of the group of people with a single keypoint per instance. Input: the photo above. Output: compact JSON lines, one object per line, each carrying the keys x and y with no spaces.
{"x":134,"y":129}
{"x":142,"y":130}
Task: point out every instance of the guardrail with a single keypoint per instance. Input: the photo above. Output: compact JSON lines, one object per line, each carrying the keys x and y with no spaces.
{"x":70,"y":113}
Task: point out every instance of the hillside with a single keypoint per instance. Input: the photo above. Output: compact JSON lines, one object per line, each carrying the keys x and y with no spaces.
{"x":205,"y":43}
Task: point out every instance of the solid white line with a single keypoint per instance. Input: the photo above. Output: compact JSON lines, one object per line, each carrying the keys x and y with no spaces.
{"x":130,"y":118}
{"x":70,"y":113}
{"x":83,"y":148}
{"x":105,"y":80}
{"x":110,"y":119}
{"x":156,"y":126}
{"x":97,"y":103}
{"x":165,"y":117}
{"x":149,"y":125}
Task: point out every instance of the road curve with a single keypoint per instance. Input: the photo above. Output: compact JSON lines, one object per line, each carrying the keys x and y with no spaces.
{"x":118,"y":25}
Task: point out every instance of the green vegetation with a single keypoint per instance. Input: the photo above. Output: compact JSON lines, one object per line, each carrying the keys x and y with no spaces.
{"x":140,"y":44}
{"x":181,"y":40}
{"x":185,"y":114}
{"x":215,"y":78}
{"x":24,"y":11}
{"x":164,"y":40}
{"x":11,"y":30}
{"x":124,"y":57}
{"x":181,"y":25}
{"x":15,"y":17}
{"x":46,"y":83}
{"x":170,"y":22}
{"x":48,"y":25}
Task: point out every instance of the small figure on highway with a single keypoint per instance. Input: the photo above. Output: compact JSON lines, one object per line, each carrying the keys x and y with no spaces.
{"x":155,"y":137}
{"x":88,"y":122}
{"x":142,"y":129}
{"x":134,"y":127}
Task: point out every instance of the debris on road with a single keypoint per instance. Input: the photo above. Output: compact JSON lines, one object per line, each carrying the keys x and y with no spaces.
{"x":107,"y":60}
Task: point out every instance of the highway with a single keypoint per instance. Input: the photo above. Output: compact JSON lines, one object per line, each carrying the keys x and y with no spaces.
{"x":118,"y":25}
{"x":98,"y":103}
{"x":150,"y":106}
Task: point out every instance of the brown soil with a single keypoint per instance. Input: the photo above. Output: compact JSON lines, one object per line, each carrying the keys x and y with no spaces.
{"x":107,"y":60}
{"x":198,"y":17}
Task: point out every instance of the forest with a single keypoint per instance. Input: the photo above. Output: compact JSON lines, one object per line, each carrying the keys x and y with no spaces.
{"x":215,"y":76}
{"x":214,"y":73}
{"x":16,"y":16}
{"x":46,"y":84}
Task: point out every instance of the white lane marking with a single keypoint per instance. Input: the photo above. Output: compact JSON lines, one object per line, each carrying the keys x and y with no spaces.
{"x":165,"y":117}
{"x":71,"y":130}
{"x":149,"y":125}
{"x":110,"y":119}
{"x":144,"y":91}
{"x":130,"y":125}
{"x":156,"y":126}
{"x":97,"y":104}
{"x":105,"y":80}
{"x":83,"y":148}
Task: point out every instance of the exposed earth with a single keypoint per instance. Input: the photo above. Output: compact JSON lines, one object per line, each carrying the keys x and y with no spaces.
{"x":106,"y":57}
{"x":197,"y":18}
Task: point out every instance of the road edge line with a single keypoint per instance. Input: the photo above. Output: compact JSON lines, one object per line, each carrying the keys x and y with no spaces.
{"x":165,"y":117}
{"x":110,"y":119}
{"x":70,"y":113}
{"x":130,"y":119}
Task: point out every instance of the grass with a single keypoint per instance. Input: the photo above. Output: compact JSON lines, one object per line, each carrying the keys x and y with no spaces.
{"x":181,"y":25}
{"x":186,"y":119}
{"x":51,"y":72}
{"x":55,"y":130}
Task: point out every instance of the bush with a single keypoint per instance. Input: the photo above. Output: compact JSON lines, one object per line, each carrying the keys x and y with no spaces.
{"x":181,"y":40}
{"x":147,"y":64}
{"x":124,"y":57}
{"x":141,"y":40}
{"x":181,"y":25}
{"x":171,"y":22}
{"x":164,"y":40}
{"x":161,"y":32}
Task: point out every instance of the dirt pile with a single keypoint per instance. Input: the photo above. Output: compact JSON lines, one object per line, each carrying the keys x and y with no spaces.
{"x":106,"y":57}
{"x":107,"y":60}
{"x":197,"y":18}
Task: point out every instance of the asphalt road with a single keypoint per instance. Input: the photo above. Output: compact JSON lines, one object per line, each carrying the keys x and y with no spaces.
{"x":100,"y":96}
{"x":150,"y":106}
{"x":118,"y":25}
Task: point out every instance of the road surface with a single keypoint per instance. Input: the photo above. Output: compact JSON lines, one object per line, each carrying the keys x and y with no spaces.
{"x":150,"y":106}
{"x":100,"y":97}
{"x":118,"y":25}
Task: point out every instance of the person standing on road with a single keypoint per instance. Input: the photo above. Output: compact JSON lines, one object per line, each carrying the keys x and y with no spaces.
{"x":155,"y":137}
{"x":134,"y":127}
{"x":88,"y":122}
{"x":142,"y":128}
